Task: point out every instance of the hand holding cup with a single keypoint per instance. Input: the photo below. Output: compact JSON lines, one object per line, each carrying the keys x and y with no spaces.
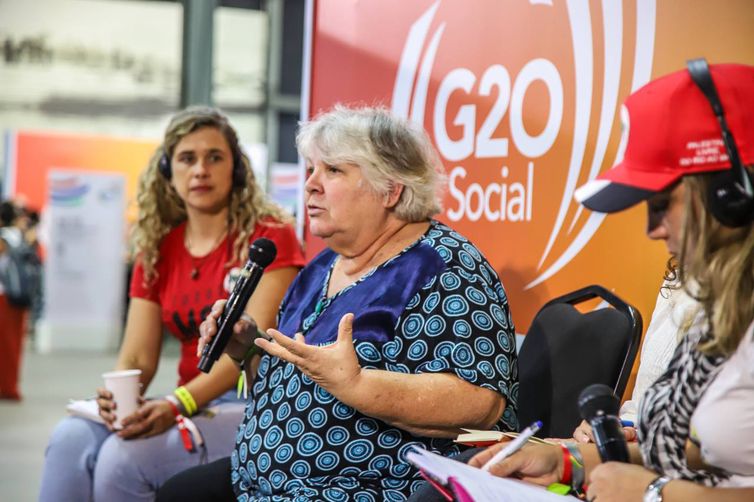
{"x":120,"y":397}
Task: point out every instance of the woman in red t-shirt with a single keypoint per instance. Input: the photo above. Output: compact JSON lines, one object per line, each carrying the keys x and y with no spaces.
{"x":199,"y":209}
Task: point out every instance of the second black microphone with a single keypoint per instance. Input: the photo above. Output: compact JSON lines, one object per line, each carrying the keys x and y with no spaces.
{"x":599,"y":407}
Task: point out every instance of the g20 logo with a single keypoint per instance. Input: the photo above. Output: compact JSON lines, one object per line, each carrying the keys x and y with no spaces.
{"x":510,"y":197}
{"x":481,"y":143}
{"x":500,"y":201}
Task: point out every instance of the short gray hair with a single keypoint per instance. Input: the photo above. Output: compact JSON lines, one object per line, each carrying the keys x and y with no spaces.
{"x":387,"y":148}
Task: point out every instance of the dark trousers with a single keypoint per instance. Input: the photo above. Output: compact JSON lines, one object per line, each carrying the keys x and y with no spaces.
{"x":203,"y":483}
{"x":211,"y":483}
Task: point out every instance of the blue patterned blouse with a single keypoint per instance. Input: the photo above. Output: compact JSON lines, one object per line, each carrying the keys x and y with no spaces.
{"x":436,"y":307}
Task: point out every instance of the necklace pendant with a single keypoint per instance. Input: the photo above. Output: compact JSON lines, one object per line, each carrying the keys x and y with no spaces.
{"x":194,"y":273}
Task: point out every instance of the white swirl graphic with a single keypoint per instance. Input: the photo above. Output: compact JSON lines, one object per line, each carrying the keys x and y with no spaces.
{"x":410,"y":95}
{"x":581,"y":34}
{"x":645,"y":29}
{"x":612,"y":27}
{"x":404,"y":80}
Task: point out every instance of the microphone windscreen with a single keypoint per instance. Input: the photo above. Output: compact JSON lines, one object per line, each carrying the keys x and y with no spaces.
{"x":597,"y":399}
{"x":262,"y":252}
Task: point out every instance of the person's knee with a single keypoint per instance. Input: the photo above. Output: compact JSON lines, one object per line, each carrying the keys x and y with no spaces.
{"x":75,"y":441}
{"x":70,"y":458}
{"x":120,"y":458}
{"x":140,"y":465}
{"x":123,"y":471}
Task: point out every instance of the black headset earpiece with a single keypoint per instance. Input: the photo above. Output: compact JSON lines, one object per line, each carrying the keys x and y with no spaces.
{"x":163,"y":165}
{"x":239,"y":168}
{"x":730,"y":198}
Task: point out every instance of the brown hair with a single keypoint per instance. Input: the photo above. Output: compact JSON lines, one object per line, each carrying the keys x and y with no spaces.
{"x":716,"y":266}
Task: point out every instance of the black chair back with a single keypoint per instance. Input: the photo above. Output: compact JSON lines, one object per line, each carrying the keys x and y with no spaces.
{"x":565,"y":350}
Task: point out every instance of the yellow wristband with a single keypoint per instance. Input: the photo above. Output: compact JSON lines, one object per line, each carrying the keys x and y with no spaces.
{"x":186,"y":399}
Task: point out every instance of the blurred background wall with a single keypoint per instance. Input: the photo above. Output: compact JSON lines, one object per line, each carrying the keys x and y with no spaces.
{"x":115,"y":66}
{"x":89,"y":85}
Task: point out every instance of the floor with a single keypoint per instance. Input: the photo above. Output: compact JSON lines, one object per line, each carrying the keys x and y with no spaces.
{"x":48,"y":381}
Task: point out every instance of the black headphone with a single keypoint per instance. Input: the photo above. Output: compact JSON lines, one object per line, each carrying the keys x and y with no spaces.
{"x":239,"y":168}
{"x":730,"y":198}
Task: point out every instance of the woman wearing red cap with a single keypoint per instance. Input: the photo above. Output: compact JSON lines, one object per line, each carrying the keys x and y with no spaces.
{"x":689,"y":155}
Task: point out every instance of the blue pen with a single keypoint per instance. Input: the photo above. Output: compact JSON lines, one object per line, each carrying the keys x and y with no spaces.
{"x":627,"y":423}
{"x":514,"y":445}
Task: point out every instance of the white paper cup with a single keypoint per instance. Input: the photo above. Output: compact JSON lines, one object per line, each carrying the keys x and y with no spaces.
{"x":124,"y":385}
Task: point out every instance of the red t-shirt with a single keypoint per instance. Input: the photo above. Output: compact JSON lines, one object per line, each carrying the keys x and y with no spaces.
{"x":185,"y":302}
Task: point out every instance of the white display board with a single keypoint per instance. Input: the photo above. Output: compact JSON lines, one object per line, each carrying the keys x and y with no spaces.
{"x":84,"y":273}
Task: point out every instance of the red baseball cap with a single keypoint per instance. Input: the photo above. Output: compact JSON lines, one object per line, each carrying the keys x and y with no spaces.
{"x":670,"y":131}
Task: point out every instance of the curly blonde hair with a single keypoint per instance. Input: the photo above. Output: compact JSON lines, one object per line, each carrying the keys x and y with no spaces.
{"x":719,"y":262}
{"x":161,"y":209}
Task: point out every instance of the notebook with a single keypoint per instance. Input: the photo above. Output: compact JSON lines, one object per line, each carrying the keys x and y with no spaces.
{"x":469,"y":484}
{"x":474,"y":437}
{"x":86,"y":408}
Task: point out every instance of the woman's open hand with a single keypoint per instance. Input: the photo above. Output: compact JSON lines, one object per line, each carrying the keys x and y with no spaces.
{"x":334,"y":367}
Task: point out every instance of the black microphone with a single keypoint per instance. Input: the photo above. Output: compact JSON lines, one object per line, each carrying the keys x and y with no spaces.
{"x":261,"y":253}
{"x":599,"y":407}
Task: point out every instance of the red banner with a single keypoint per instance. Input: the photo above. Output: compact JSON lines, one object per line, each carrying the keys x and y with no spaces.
{"x":522,"y":99}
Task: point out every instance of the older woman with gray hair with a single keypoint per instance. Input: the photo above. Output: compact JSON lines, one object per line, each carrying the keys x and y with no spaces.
{"x":396,"y":336}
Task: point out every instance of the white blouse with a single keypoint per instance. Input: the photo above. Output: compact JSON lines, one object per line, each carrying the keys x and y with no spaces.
{"x":672,"y":309}
{"x":723,"y":422}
